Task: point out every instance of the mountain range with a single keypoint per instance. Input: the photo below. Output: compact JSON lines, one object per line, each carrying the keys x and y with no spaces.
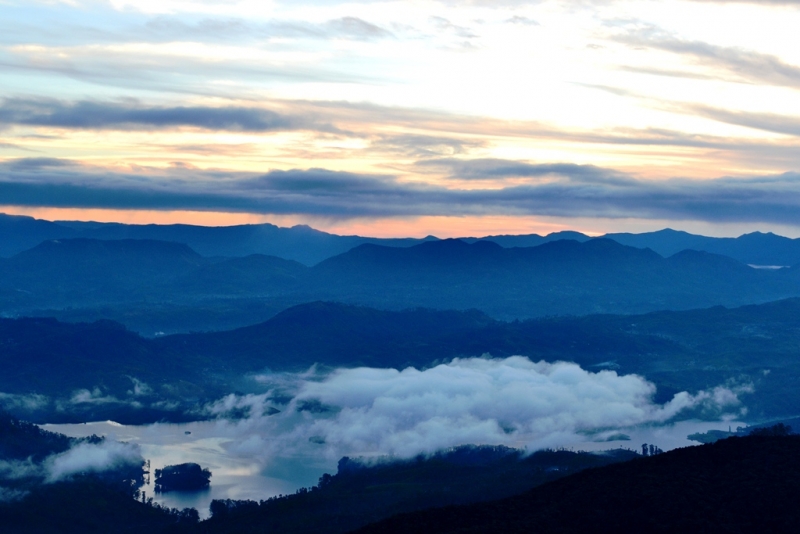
{"x":309,"y":246}
{"x":85,"y":279}
{"x":48,"y":363}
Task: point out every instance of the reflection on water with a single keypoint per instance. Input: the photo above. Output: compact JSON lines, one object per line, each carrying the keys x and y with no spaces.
{"x":232,"y":477}
{"x":237,"y":477}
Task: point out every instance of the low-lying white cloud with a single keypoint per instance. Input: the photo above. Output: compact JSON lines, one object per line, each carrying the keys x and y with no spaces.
{"x":16,"y":469}
{"x":95,"y":396}
{"x":140,"y":388}
{"x":29,"y":402}
{"x":92,"y":458}
{"x":511,"y":401}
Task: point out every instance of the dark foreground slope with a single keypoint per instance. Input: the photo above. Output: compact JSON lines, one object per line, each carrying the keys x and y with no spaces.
{"x":87,"y":505}
{"x":742,"y":485}
{"x":359,"y":494}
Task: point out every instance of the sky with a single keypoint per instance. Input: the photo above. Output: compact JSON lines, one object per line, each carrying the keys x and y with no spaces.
{"x":386,"y":118}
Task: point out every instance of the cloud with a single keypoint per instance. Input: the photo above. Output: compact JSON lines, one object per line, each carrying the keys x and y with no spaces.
{"x":16,"y":469}
{"x":130,"y":115}
{"x":12,"y":146}
{"x":483,"y":169}
{"x":81,"y":458}
{"x":770,"y":122}
{"x":737,"y":64}
{"x":443,"y":24}
{"x":28,"y":402}
{"x":511,"y":401}
{"x":185,"y":71}
{"x":525,"y":21}
{"x":357,"y":28}
{"x":140,"y":389}
{"x":12,"y":495}
{"x":756,"y":2}
{"x":570,"y":191}
{"x":92,"y":458}
{"x":423,"y":146}
{"x":170,"y":28}
{"x":95,"y":396}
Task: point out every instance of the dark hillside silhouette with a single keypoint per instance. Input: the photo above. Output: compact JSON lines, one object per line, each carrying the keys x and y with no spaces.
{"x":361,"y":493}
{"x":735,"y":485}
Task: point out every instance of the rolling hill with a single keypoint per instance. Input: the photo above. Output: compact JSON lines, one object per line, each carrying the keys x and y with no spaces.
{"x":91,"y":278}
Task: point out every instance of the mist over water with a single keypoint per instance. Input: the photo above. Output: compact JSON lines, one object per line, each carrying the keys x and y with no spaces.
{"x":237,"y":477}
{"x":262,"y":445}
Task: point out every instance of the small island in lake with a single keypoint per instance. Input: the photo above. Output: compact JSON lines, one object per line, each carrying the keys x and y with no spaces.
{"x":182,"y":477}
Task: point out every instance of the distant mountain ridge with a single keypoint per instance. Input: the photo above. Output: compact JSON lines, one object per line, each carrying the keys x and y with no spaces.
{"x":299,"y":243}
{"x":562,"y":277}
{"x":556,"y":278}
{"x":309,"y":246}
{"x":755,"y":248}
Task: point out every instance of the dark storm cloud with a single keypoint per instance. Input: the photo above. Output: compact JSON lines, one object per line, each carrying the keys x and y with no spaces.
{"x":132,"y":115}
{"x":570,"y":191}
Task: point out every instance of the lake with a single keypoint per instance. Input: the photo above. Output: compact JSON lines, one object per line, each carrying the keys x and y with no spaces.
{"x":238,"y":476}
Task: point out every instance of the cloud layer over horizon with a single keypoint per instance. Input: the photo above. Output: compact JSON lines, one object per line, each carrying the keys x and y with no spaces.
{"x":477,"y":187}
{"x":382,"y":110}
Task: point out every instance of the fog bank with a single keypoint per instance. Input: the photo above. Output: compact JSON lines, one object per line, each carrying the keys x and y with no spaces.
{"x":402,"y":413}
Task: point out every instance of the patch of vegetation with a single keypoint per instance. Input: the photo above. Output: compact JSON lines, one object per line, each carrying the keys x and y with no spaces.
{"x":182,"y":477}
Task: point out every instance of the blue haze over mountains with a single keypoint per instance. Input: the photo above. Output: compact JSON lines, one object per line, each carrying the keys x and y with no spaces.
{"x":46,"y":361}
{"x":309,"y":246}
{"x":181,"y":278}
{"x":396,"y":302}
{"x":147,"y":324}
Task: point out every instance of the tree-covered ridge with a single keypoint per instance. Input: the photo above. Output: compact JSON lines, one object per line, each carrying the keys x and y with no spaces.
{"x":63,"y":372}
{"x":736,"y":485}
{"x":120,"y":278}
{"x":361,"y":492}
{"x":20,"y":440}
